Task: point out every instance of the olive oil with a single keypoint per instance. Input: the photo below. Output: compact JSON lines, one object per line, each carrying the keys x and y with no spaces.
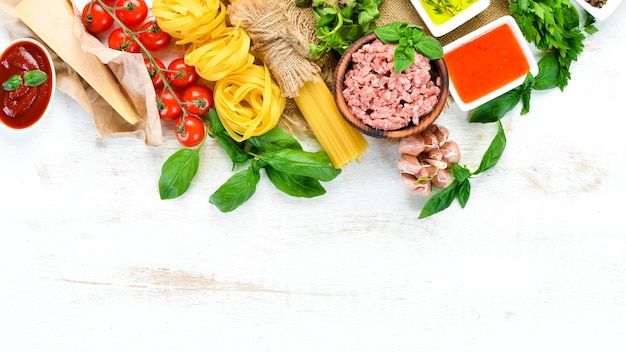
{"x":441,"y":11}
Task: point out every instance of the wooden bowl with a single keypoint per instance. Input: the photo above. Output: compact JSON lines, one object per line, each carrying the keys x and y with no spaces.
{"x":438,"y":69}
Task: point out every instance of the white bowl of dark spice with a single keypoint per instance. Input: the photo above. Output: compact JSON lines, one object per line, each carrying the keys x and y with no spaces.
{"x":599,"y":9}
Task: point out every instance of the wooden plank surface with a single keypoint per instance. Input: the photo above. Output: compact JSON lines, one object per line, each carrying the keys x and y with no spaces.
{"x":92,"y":260}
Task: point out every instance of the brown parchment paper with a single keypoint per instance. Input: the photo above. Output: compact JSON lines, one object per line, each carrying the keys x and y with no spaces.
{"x":129,"y":70}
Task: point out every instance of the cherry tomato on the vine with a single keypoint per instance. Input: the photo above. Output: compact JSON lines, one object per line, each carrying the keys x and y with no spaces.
{"x":119,"y":40}
{"x":198,"y":99}
{"x":95,"y":18}
{"x":152,"y":37}
{"x":168,"y":106}
{"x":131,"y":12}
{"x":157,"y":81}
{"x":180,"y":75}
{"x":190,"y":130}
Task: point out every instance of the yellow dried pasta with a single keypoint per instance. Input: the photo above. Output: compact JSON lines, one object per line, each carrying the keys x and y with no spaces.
{"x":248,"y":102}
{"x":190,"y":21}
{"x":225,"y":53}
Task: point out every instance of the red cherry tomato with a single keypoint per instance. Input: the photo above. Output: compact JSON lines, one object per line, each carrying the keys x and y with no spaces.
{"x":198,"y":99}
{"x":180,"y":75}
{"x":168,"y":107}
{"x":95,"y":18}
{"x":119,"y":40}
{"x":190,"y":130}
{"x":153,"y":37}
{"x":131,"y":12}
{"x":157,"y":81}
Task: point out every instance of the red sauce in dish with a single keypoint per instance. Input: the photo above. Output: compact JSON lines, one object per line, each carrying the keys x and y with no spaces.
{"x":23,"y":107}
{"x":486,"y":63}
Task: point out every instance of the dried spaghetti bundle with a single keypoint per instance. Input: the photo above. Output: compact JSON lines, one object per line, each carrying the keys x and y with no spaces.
{"x":284,"y":48}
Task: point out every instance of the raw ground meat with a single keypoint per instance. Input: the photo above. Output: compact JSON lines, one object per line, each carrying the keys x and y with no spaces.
{"x":383,"y":99}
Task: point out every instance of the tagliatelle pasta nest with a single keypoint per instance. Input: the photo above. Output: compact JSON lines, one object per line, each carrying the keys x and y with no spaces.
{"x":189,"y":21}
{"x":227,"y":52}
{"x":249,"y":103}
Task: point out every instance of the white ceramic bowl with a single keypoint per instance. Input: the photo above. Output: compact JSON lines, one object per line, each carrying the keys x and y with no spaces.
{"x":42,"y":110}
{"x":600,"y":13}
{"x":437,"y":30}
{"x":524,"y":45}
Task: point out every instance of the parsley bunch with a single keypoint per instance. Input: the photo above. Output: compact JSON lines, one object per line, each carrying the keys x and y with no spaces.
{"x":552,"y":25}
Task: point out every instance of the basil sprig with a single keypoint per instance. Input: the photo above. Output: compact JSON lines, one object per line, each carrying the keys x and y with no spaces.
{"x":289,"y":168}
{"x":31,"y":78}
{"x":460,"y":187}
{"x":409,"y":38}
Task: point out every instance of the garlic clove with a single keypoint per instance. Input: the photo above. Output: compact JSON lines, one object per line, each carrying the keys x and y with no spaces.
{"x":413,"y":145}
{"x":442,"y":179}
{"x":451,"y":152}
{"x":409,"y":164}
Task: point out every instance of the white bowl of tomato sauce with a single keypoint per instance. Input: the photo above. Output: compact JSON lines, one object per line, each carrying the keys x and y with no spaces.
{"x":488,"y":62}
{"x":28,"y":83}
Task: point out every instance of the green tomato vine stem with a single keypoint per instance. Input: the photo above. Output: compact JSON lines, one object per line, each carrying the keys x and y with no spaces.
{"x":161,"y":72}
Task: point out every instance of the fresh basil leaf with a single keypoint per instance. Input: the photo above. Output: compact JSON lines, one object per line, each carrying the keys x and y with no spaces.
{"x":527,"y":89}
{"x":298,"y":162}
{"x":459,"y":172}
{"x":295,"y":185}
{"x":494,"y":152}
{"x":214,"y":121}
{"x":12,"y":83}
{"x":234,"y":150}
{"x":177,"y":173}
{"x":439,"y":201}
{"x":496,"y":108}
{"x":34,"y":78}
{"x":390,"y":32}
{"x":236,"y":190}
{"x":548,"y":72}
{"x":416,"y":34}
{"x":275,"y":139}
{"x":429,"y":47}
{"x":403,"y":57}
{"x":463,"y":192}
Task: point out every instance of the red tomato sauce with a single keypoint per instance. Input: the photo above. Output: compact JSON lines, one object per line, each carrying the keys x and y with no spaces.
{"x":486,"y":63}
{"x":23,"y":107}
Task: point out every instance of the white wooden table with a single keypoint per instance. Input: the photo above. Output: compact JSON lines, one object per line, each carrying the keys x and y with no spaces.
{"x":92,"y":260}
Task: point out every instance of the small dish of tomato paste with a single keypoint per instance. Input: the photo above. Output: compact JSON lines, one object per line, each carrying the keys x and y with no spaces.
{"x":488,"y":62}
{"x":28,"y":83}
